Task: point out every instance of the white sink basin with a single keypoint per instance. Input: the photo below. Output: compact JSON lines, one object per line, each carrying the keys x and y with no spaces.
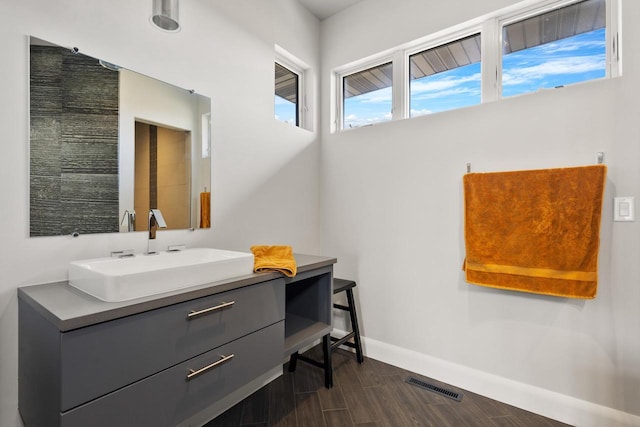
{"x":121,"y":279}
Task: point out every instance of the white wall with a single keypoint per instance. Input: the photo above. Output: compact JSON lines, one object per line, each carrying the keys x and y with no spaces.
{"x":265,"y":177}
{"x":392,"y":214}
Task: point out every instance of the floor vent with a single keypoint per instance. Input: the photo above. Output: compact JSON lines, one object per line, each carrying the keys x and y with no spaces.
{"x":434,"y":388}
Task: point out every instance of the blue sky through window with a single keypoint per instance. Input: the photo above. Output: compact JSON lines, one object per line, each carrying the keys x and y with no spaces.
{"x":562,"y":62}
{"x":368,"y":108}
{"x":285,"y":110}
{"x":451,"y":89}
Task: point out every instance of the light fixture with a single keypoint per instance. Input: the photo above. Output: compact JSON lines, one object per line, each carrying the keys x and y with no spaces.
{"x":165,"y":15}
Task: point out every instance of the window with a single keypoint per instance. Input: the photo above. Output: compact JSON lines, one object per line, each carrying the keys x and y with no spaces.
{"x":287,"y":89}
{"x":367,"y":96}
{"x":445,"y":77}
{"x":518,"y":50}
{"x":293,"y":90}
{"x":555,"y":48}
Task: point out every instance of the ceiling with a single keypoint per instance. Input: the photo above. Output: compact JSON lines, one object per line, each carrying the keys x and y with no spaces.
{"x":323,"y":9}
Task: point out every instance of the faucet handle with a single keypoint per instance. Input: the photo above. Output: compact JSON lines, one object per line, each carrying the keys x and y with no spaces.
{"x":156,"y":215}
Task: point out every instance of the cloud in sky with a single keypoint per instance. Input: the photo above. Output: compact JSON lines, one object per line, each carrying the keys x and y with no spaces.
{"x":422,"y":112}
{"x":572,"y":45}
{"x":450,"y":89}
{"x":374,"y":97}
{"x":523,"y":74}
{"x":417,"y":95}
{"x":353,"y":120}
{"x":441,"y":83}
{"x":368,"y":108}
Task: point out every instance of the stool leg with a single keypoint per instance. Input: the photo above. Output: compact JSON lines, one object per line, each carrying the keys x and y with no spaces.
{"x":354,"y":325}
{"x":326,"y":355}
{"x":293,"y":362}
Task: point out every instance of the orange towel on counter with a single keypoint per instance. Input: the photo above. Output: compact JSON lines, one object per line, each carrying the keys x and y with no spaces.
{"x":205,"y":209}
{"x":535,"y":231}
{"x":274,"y":258}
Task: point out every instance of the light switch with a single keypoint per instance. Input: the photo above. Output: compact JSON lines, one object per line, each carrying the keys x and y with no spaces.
{"x":624,"y":209}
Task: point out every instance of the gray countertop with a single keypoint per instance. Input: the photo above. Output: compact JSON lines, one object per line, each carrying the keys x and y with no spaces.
{"x":69,"y":308}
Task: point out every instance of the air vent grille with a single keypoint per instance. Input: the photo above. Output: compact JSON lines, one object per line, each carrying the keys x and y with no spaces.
{"x":435,"y":389}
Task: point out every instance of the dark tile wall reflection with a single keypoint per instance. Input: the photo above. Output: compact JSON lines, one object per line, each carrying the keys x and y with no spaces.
{"x":74,"y":144}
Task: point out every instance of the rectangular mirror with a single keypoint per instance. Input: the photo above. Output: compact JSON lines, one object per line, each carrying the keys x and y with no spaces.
{"x":107,"y":144}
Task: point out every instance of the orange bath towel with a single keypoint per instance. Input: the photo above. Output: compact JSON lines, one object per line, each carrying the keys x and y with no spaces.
{"x":274,"y":258}
{"x":205,"y":209}
{"x":535,"y":231}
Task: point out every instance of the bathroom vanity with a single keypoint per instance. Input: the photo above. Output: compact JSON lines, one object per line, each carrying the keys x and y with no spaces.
{"x":175,"y":359}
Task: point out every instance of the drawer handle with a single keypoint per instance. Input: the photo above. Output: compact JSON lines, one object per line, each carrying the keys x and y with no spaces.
{"x":223,"y":359}
{"x":195,"y":313}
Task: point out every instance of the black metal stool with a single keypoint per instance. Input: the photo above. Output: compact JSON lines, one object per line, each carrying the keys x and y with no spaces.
{"x":329,"y":343}
{"x":342,"y":285}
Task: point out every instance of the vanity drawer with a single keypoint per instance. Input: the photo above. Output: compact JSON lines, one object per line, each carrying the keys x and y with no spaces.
{"x":169,"y":397}
{"x":99,"y":359}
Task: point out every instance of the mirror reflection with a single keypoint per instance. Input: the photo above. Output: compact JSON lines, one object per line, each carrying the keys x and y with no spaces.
{"x":108,"y":144}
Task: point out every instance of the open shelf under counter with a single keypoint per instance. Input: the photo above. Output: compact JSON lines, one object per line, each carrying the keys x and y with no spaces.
{"x":308,"y":308}
{"x":300,"y":331}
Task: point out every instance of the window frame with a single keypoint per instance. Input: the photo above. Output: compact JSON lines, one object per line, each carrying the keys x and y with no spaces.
{"x":435,"y":43}
{"x":490,"y":28}
{"x":301,"y":69}
{"x":357,"y":68}
{"x":298,"y":92}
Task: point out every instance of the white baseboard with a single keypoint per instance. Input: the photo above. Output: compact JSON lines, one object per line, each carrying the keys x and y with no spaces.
{"x":547,"y":403}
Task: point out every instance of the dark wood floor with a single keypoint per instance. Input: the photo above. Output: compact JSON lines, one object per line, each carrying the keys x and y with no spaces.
{"x":371,"y":394}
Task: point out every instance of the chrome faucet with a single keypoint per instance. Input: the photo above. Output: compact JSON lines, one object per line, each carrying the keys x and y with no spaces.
{"x":155,"y":221}
{"x":130,"y":217}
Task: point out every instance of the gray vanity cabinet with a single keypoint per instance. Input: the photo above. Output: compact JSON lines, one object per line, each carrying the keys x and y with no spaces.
{"x":174,"y":359}
{"x":169,"y":397}
{"x":139,"y":370}
{"x":106,"y":356}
